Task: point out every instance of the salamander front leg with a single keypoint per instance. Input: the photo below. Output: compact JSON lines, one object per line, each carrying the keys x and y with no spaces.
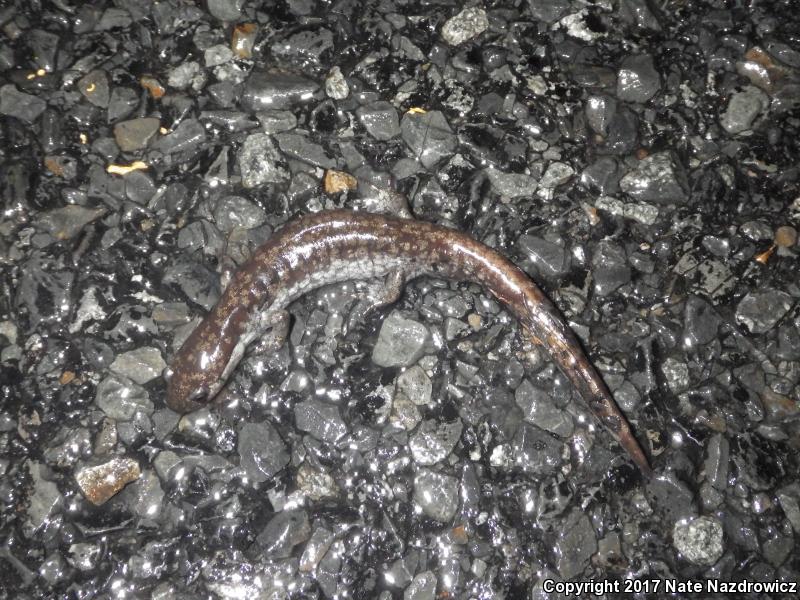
{"x":379,"y":295}
{"x":275,"y":330}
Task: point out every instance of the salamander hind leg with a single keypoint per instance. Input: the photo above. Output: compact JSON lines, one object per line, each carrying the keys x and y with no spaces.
{"x":380,"y":294}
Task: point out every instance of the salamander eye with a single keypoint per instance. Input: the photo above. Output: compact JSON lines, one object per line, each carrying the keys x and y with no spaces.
{"x":200,"y":395}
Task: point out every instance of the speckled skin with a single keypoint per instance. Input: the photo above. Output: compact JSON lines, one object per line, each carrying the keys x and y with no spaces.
{"x":340,"y":245}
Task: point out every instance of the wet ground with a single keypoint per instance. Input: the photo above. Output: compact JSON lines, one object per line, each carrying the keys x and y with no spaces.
{"x":638,"y":159}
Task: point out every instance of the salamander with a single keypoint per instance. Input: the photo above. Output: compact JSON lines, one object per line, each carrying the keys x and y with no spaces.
{"x":340,"y":245}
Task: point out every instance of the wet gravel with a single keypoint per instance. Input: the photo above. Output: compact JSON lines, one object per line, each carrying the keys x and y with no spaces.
{"x":638,"y":159}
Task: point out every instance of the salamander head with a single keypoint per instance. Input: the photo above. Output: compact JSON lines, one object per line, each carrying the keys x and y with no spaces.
{"x":196,"y":374}
{"x":187,"y":391}
{"x":200,"y":368}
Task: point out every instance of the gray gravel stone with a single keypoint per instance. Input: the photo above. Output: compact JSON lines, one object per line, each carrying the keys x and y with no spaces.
{"x":676,"y":374}
{"x":380,"y":120}
{"x":538,"y":409}
{"x":43,"y":499}
{"x":275,"y":121}
{"x":317,"y":546}
{"x":602,"y":175}
{"x":40,"y":279}
{"x":94,"y":87}
{"x":777,"y":549}
{"x":164,"y":462}
{"x":535,"y":451}
{"x":788,"y":342}
{"x":467,"y":24}
{"x":743,"y":108}
{"x":187,"y":74}
{"x":216,"y":55}
{"x":623,"y":132}
{"x":121,"y":103}
{"x":610,"y":268}
{"x":557,"y":173}
{"x":550,"y":260}
{"x":270,"y":91}
{"x":789,"y":498}
{"x":718,"y":246}
{"x":141,"y":365}
{"x":315,"y":483}
{"x":760,"y":311}
{"x":67,"y":222}
{"x":715,"y":278}
{"x":548,"y":11}
{"x":185,"y":138}
{"x":600,"y":111}
{"x":235,"y":211}
{"x":405,"y":413}
{"x":262,"y":452}
{"x":637,"y":79}
{"x":200,"y":425}
{"x":260,"y":161}
{"x":201,"y":235}
{"x":303,"y":149}
{"x":120,"y":398}
{"x":654,"y":180}
{"x":84,"y":556}
{"x":113,"y":18}
{"x":699,"y":540}
{"x":627,"y":396}
{"x":717,"y":461}
{"x":327,"y":574}
{"x":284,"y":531}
{"x":146,"y":499}
{"x":756,"y":230}
{"x":14,"y":103}
{"x":400,"y":573}
{"x":336,"y":86}
{"x":212,"y":464}
{"x":416,"y":385}
{"x":710,"y":497}
{"x":423,"y":587}
{"x":575,"y":546}
{"x":225,"y":10}
{"x":321,"y":420}
{"x":309,"y":45}
{"x":401,"y":342}
{"x":701,"y":322}
{"x":511,"y":185}
{"x":53,"y":569}
{"x":428,"y":136}
{"x":437,"y":494}
{"x":139,"y":187}
{"x":646,"y":214}
{"x":434,"y":440}
{"x":44,"y":48}
{"x":671,"y":495}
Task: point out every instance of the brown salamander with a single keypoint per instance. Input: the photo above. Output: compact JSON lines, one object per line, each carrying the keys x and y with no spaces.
{"x":340,"y":245}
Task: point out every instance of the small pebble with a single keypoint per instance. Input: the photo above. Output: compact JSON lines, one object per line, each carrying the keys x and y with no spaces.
{"x":785,"y":236}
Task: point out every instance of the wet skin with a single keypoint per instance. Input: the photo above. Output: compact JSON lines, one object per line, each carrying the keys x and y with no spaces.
{"x":334,"y":246}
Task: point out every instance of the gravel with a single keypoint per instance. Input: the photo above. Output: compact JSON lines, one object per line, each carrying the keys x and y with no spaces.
{"x":638,"y":159}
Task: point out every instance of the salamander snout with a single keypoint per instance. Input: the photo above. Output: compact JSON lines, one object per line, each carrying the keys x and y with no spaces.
{"x":185,"y":393}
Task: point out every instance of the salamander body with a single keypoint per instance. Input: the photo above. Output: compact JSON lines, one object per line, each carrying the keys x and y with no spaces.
{"x":340,"y":245}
